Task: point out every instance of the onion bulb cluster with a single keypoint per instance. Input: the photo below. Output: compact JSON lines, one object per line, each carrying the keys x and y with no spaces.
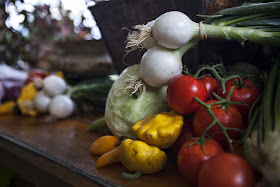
{"x":51,"y":99}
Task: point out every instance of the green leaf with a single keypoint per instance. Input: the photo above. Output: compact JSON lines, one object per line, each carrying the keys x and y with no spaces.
{"x":254,"y":8}
{"x":260,"y":22}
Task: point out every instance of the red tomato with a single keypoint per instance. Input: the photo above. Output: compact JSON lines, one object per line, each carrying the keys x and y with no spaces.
{"x":36,"y":73}
{"x":211,"y":84}
{"x":228,"y":170}
{"x":191,"y":157}
{"x":245,"y":94}
{"x":186,"y":133}
{"x":228,"y":118}
{"x":181,"y":91}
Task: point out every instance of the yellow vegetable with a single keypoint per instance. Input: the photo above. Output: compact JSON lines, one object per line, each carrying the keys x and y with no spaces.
{"x":159,"y":130}
{"x":104,"y":144}
{"x":108,"y":158}
{"x":25,"y":100}
{"x":60,"y":74}
{"x":7,"y":107}
{"x":139,"y":156}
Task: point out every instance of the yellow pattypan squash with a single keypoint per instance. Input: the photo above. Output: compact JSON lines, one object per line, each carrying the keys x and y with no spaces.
{"x":159,"y":130}
{"x":141,"y":157}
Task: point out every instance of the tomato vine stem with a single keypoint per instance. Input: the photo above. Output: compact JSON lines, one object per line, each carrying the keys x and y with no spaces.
{"x":221,"y":80}
{"x":226,"y":102}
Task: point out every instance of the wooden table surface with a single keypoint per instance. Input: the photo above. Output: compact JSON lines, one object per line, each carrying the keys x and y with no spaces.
{"x":57,"y":154}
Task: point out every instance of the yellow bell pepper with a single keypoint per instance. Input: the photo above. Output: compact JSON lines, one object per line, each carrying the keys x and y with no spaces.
{"x":139,"y":156}
{"x":159,"y":130}
{"x":25,"y":100}
{"x":7,"y":107}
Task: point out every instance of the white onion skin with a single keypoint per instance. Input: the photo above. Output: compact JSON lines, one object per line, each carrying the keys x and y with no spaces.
{"x":159,"y":65}
{"x":150,"y":41}
{"x":41,"y":102}
{"x":61,"y":106}
{"x":54,"y":85}
{"x":174,"y":29}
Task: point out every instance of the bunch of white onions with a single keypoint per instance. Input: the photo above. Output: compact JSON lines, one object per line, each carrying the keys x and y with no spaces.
{"x":52,"y":100}
{"x":166,"y":44}
{"x":170,"y":35}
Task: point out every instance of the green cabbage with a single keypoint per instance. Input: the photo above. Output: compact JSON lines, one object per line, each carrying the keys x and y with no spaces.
{"x":123,"y":110}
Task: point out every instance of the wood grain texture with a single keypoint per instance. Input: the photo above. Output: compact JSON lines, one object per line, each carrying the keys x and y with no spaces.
{"x":58,"y":152}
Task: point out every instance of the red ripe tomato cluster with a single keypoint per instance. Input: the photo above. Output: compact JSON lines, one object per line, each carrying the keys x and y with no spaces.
{"x":180,"y":97}
{"x":183,"y":88}
{"x":207,"y":164}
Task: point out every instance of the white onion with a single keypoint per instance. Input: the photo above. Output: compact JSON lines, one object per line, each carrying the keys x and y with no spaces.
{"x":41,"y":102}
{"x":61,"y":106}
{"x":150,"y":41}
{"x":54,"y":85}
{"x":174,"y":29}
{"x":159,"y":65}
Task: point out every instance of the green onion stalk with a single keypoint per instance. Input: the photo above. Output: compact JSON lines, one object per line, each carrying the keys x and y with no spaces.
{"x":257,"y":21}
{"x":262,"y":138}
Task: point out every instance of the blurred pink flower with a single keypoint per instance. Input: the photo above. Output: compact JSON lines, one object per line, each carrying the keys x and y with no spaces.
{"x":64,"y":30}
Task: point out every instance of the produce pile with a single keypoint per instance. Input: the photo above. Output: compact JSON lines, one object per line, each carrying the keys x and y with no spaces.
{"x":31,"y":93}
{"x":222,"y":123}
{"x":42,"y":93}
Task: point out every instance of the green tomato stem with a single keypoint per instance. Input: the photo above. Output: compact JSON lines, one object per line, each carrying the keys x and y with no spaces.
{"x":221,"y":81}
{"x":207,"y":107}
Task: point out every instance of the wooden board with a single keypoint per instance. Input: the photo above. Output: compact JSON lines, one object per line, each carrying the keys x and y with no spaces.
{"x":58,"y":152}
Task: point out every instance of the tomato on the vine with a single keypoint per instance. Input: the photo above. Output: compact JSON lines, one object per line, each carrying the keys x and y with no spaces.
{"x":180,"y":93}
{"x":245,"y":92}
{"x":229,"y":117}
{"x":211,"y":84}
{"x":228,"y":170}
{"x":192,"y":155}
